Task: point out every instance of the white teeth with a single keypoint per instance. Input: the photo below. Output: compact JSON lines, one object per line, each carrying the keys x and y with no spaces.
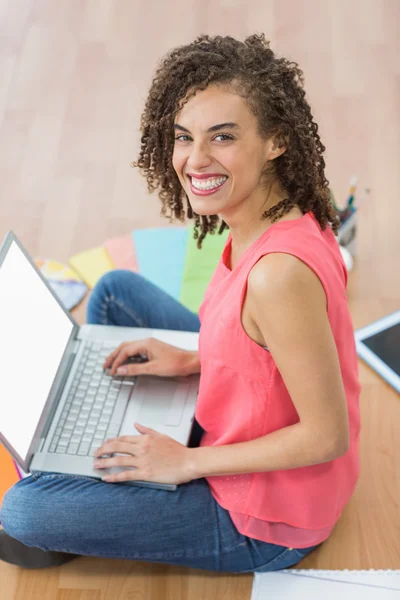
{"x":208,"y":184}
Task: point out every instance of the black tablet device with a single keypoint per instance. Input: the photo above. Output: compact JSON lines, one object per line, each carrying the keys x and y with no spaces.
{"x":378,"y":344}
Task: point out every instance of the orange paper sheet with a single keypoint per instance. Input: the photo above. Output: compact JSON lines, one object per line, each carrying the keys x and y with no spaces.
{"x":8,"y":472}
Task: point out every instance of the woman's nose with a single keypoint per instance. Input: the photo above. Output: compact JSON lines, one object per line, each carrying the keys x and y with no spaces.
{"x":199,"y":157}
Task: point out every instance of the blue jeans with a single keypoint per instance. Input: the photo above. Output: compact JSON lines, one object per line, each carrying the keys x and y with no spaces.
{"x":86,"y":516}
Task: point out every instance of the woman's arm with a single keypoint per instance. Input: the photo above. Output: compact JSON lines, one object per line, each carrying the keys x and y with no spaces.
{"x":288,"y":304}
{"x":192,"y":362}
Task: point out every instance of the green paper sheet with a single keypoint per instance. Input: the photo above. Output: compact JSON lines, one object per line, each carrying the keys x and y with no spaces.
{"x":199,"y":267}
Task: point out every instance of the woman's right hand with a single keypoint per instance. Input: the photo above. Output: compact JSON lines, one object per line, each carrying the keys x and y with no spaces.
{"x":162,"y":359}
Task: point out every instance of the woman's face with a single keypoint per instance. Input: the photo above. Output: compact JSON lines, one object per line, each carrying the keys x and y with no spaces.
{"x":218,"y":154}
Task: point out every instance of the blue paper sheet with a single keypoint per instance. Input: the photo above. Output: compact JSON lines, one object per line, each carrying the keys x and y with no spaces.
{"x":160,"y":254}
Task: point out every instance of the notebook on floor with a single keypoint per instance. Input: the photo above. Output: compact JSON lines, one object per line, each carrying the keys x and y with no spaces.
{"x":57,"y":403}
{"x":292,"y":584}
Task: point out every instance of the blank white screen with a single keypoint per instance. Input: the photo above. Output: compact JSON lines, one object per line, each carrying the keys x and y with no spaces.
{"x":34,"y":331}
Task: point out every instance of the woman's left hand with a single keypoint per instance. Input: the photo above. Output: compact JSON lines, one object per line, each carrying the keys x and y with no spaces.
{"x":155,"y":456}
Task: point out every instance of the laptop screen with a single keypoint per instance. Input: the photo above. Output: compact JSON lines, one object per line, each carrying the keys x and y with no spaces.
{"x":34,"y":332}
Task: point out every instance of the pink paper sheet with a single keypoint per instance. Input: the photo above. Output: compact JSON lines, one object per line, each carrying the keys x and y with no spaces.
{"x":122,"y":252}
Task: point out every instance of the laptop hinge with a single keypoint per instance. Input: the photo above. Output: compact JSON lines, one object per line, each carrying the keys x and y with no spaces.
{"x":74,"y":345}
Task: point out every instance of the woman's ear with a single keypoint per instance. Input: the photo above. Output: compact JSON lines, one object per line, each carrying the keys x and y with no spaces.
{"x":276,"y":151}
{"x":275,"y":146}
{"x":278,"y":146}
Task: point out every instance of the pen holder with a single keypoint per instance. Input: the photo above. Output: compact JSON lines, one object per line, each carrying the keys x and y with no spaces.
{"x":347,"y":233}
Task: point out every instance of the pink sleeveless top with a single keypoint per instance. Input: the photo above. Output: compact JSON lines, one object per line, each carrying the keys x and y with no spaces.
{"x":242,"y":395}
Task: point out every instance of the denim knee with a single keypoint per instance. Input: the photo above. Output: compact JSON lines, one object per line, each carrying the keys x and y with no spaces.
{"x":16,"y":513}
{"x":96,"y":311}
{"x":109,"y":280}
{"x":112,"y":301}
{"x":107,"y":283}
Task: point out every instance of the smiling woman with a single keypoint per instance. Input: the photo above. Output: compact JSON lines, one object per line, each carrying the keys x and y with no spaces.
{"x":245,"y":116}
{"x":228,"y":140}
{"x":239,"y":157}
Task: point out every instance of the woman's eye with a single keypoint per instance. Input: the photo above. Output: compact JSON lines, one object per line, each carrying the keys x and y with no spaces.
{"x":179,"y":137}
{"x":224,"y":135}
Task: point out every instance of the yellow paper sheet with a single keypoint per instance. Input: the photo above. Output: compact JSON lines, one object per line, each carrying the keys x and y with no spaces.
{"x":91,"y":265}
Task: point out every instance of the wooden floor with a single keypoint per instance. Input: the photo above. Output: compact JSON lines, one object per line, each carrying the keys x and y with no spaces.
{"x":73,"y":79}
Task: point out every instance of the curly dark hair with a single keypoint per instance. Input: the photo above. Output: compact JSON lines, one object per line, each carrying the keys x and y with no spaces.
{"x":272,"y":87}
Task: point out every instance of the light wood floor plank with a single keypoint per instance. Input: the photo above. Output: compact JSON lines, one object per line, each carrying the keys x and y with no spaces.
{"x":74,"y":75}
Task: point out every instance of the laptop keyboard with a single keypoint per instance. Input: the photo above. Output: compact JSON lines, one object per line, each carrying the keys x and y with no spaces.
{"x":95,"y":405}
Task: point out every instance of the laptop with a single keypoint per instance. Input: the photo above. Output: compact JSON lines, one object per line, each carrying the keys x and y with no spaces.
{"x":57,"y":403}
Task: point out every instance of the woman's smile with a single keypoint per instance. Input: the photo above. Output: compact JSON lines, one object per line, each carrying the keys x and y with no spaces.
{"x":205,"y":187}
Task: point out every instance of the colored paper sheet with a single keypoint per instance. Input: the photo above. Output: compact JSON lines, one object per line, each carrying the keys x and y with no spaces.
{"x":122,"y":252}
{"x":54,"y":270}
{"x":64,"y":282}
{"x":91,"y":265}
{"x":70,"y":293}
{"x":8,"y":472}
{"x":315,"y":584}
{"x":199,"y":267}
{"x":160,"y":255}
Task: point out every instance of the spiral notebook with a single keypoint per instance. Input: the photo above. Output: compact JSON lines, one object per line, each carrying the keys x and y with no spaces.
{"x":292,"y":584}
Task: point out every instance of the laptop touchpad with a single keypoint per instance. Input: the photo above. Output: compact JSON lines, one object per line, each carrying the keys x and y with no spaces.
{"x":163,"y":402}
